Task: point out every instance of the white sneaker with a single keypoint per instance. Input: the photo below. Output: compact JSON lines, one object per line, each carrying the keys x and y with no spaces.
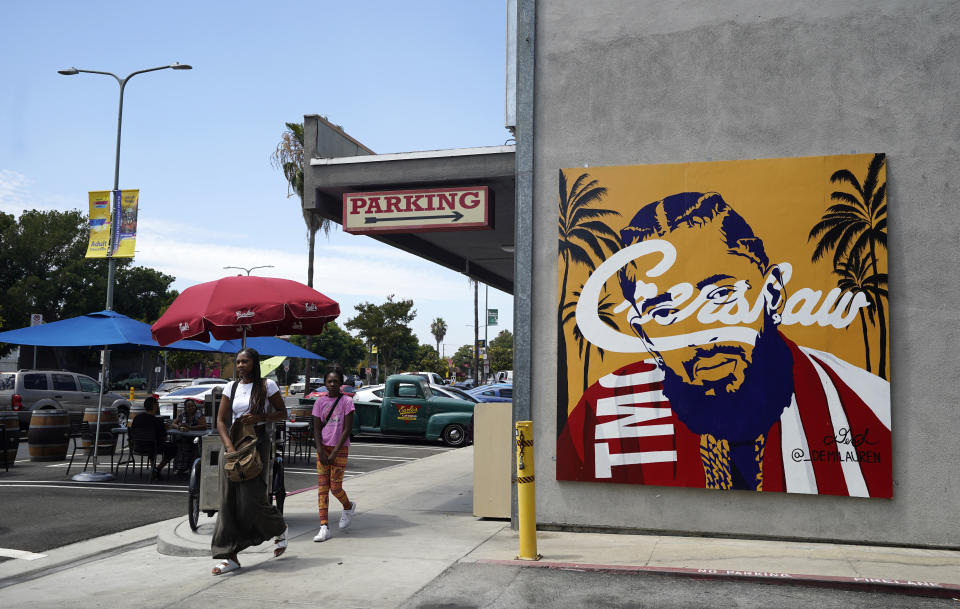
{"x":347,"y":515}
{"x":323,"y":534}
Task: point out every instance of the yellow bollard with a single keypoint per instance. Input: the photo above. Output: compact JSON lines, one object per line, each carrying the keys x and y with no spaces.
{"x":131,"y":393}
{"x":526,"y":492}
{"x":286,"y":390}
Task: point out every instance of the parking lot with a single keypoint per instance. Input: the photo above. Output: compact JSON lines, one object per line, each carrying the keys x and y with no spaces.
{"x":42,"y":508}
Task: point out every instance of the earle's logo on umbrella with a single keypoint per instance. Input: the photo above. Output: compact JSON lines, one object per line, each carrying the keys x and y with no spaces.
{"x":245,"y":314}
{"x":184,"y":326}
{"x":309,"y":307}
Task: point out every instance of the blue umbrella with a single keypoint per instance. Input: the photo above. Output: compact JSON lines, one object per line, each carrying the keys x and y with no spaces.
{"x":103,"y":328}
{"x":265,"y":345}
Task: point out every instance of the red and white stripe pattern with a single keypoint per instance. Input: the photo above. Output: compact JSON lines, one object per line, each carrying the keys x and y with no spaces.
{"x":833,"y":438}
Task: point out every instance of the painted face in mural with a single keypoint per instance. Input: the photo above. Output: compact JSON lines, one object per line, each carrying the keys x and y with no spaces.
{"x":722,"y":278}
{"x":729,"y":385}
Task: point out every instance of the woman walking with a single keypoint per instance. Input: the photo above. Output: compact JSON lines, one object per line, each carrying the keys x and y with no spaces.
{"x":332,"y":423}
{"x":246,"y":518}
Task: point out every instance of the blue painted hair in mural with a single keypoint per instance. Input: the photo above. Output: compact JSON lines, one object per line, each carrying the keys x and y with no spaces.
{"x":691,"y":210}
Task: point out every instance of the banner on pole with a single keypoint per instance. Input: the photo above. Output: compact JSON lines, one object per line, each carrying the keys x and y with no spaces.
{"x":99,"y":243}
{"x":125,"y":230}
{"x":492,"y":317}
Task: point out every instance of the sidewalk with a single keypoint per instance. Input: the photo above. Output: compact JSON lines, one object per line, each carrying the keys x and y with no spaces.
{"x":414,"y":521}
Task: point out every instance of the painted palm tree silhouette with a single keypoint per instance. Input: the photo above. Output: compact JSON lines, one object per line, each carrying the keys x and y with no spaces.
{"x":856,"y":275}
{"x":605,"y":312}
{"x":582,"y":231}
{"x":856,"y":227}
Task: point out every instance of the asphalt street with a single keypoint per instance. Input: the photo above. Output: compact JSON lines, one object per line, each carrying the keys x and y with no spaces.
{"x":42,"y":508}
{"x":486,"y":586}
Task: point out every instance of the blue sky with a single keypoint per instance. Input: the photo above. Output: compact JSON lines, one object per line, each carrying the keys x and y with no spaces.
{"x":398,"y":76}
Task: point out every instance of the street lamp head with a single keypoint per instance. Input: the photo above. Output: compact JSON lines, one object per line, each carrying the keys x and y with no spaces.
{"x":69,"y":72}
{"x":181,"y":66}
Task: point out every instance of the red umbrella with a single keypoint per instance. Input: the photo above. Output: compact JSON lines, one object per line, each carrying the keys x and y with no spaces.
{"x":242,"y":306}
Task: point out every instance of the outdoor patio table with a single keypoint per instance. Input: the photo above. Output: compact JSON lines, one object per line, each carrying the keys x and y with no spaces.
{"x":184,"y":441}
{"x":121,"y":432}
{"x":297,"y":440}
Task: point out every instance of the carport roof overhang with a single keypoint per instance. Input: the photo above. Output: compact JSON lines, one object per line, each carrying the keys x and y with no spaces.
{"x":484,"y":255}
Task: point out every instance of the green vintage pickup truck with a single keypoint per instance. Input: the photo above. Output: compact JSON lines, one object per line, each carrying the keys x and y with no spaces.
{"x":409,"y":408}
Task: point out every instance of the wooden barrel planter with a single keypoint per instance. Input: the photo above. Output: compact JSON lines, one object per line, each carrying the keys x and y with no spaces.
{"x":10,"y":428}
{"x":108,"y":420}
{"x":135,"y":409}
{"x":48,"y":435}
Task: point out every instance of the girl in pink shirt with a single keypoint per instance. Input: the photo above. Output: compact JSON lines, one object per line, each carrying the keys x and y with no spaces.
{"x":332,"y":423}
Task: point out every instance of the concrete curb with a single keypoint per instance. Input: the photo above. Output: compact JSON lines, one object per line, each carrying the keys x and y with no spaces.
{"x":16,"y":571}
{"x":856,"y":584}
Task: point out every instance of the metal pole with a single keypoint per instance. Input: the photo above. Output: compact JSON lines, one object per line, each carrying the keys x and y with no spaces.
{"x":111,"y":265}
{"x":526,"y":491}
{"x":476,"y":336}
{"x":111,"y":272}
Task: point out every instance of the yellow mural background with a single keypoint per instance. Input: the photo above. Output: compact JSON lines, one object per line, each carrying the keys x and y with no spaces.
{"x":781,"y":199}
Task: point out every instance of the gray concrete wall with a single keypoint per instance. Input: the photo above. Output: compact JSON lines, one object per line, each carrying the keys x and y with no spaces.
{"x":621,"y":82}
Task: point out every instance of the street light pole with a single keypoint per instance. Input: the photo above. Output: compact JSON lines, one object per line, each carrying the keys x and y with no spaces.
{"x":249,"y":269}
{"x":94,"y":476}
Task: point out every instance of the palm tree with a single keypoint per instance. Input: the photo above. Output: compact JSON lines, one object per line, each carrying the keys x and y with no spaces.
{"x":605,"y":312}
{"x":288,"y":157}
{"x":856,"y":227}
{"x":581,"y":229}
{"x":439,"y":329}
{"x":855,"y":276}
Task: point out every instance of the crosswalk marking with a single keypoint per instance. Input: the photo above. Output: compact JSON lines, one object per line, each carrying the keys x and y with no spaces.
{"x":21,"y":554}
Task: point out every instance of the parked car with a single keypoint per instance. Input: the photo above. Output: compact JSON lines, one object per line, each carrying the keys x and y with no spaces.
{"x":409,"y":407}
{"x":432,"y":377}
{"x":27,"y":390}
{"x":504,"y":376}
{"x":311,"y":397}
{"x":500,"y":392}
{"x":171,"y":384}
{"x":300,"y":386}
{"x":374,"y":393}
{"x":193,"y":393}
{"x":131,"y":380}
{"x":466,"y":385}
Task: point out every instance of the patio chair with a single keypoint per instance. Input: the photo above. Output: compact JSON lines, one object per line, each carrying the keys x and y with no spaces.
{"x":86,"y":435}
{"x":143,"y":444}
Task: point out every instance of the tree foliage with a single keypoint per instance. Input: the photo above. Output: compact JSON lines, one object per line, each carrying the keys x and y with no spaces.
{"x":386,"y":326}
{"x":500,"y":351}
{"x":438,"y":327}
{"x":288,"y":158}
{"x":463,"y":358}
{"x":339,"y":347}
{"x":44,"y":271}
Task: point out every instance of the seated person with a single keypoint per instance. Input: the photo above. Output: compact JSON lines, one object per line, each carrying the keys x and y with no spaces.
{"x":190,"y":418}
{"x":150,"y":419}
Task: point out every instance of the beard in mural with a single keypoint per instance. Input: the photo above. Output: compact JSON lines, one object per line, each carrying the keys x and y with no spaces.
{"x":727,"y":401}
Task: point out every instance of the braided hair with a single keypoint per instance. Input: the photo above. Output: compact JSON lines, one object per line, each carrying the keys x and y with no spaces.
{"x":258,"y":394}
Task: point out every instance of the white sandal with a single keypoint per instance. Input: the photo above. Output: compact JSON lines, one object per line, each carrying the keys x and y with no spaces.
{"x":225,"y":566}
{"x":281,"y":542}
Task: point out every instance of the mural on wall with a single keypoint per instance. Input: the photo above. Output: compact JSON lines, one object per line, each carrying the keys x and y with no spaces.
{"x":723,"y":325}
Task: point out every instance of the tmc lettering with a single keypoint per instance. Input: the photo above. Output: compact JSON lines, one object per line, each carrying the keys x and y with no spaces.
{"x":430,"y":201}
